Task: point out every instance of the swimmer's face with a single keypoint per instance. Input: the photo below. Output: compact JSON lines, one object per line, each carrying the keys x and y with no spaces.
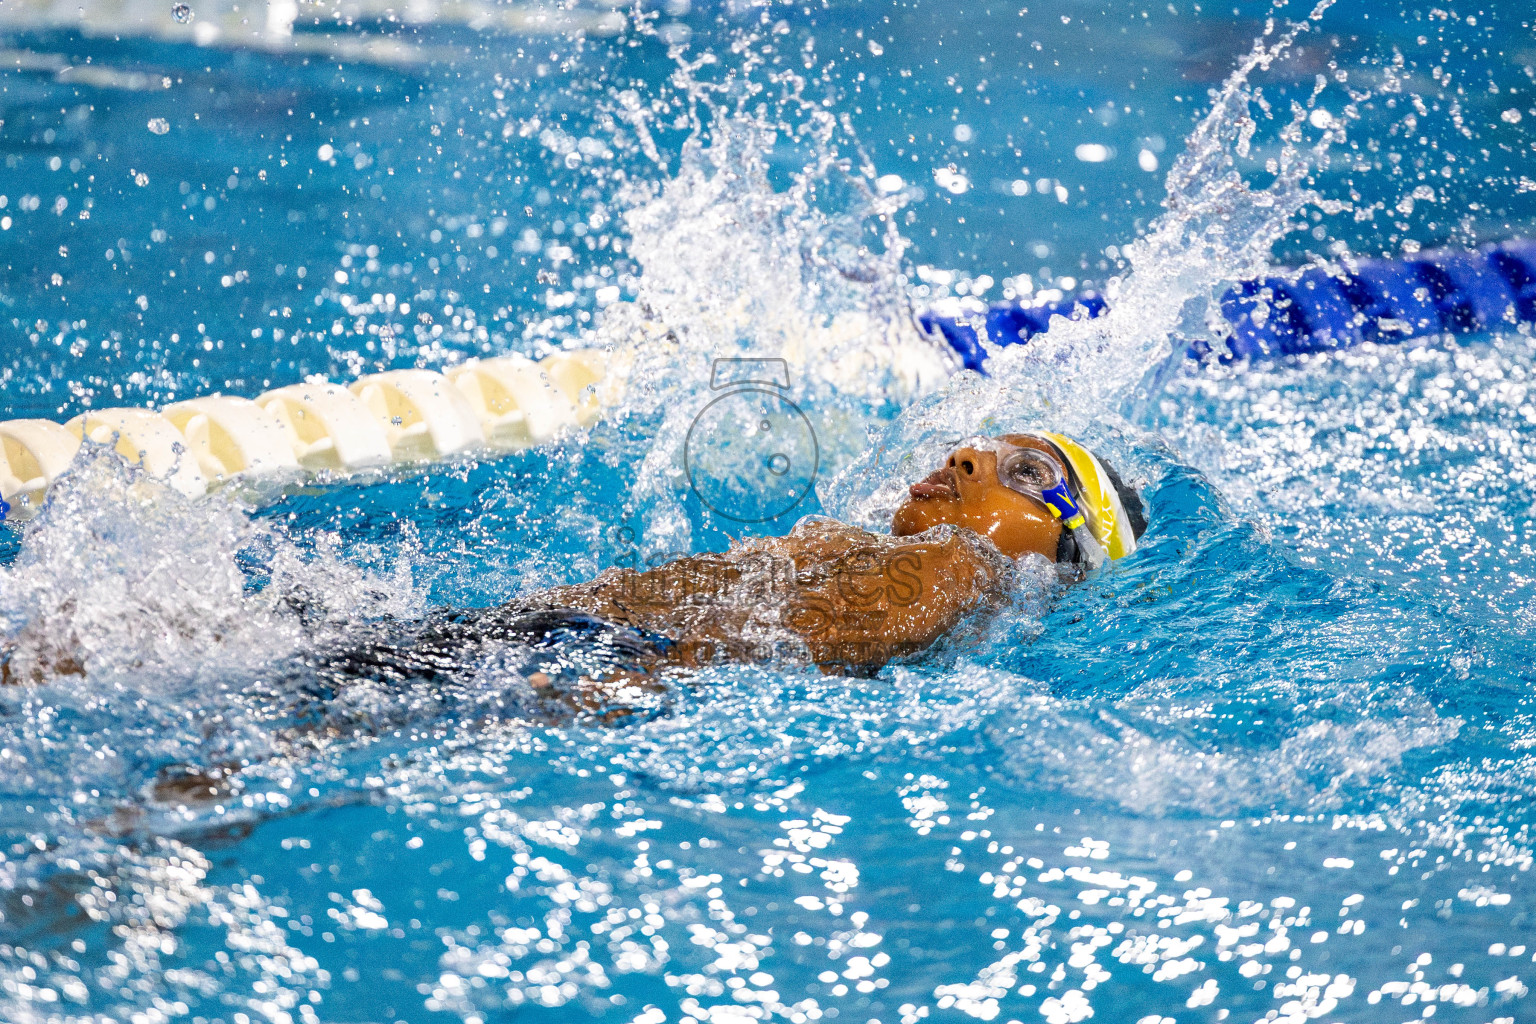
{"x":965,"y":491}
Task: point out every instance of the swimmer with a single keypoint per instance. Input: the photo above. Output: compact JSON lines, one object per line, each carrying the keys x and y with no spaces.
{"x":827,"y":594}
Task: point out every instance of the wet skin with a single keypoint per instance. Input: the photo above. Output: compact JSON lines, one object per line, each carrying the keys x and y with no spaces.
{"x":966,"y":492}
{"x":830,"y":594}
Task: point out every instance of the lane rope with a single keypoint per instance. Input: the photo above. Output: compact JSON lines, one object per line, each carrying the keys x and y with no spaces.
{"x":399,"y":416}
{"x":512,"y":402}
{"x":1318,"y":309}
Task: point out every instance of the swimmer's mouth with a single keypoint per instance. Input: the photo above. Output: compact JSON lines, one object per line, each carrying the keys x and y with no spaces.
{"x":939,"y":484}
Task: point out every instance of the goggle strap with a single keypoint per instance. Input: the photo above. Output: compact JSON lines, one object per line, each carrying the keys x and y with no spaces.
{"x":1064,"y":503}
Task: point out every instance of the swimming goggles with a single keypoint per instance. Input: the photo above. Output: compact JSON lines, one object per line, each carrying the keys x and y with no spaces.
{"x":1035,"y":474}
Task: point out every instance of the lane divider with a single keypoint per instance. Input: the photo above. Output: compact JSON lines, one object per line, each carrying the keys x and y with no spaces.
{"x":513,"y":402}
{"x":1382,"y":301}
{"x":229,"y":436}
{"x":399,"y":416}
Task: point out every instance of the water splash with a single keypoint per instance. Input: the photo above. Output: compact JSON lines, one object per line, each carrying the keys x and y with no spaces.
{"x":135,"y":583}
{"x":1218,"y":227}
{"x":729,"y":265}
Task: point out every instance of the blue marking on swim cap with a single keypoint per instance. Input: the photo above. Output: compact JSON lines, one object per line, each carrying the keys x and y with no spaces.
{"x":5,"y":509}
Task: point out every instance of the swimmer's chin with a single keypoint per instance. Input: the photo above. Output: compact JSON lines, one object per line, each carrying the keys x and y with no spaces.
{"x":996,"y":523}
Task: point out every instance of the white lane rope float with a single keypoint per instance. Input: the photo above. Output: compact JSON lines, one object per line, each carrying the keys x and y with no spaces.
{"x":395,"y":417}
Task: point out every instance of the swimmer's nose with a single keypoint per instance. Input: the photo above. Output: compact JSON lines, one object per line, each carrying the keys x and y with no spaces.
{"x":971,"y":467}
{"x":972,"y":470}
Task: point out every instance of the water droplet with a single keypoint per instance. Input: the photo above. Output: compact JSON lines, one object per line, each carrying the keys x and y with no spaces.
{"x":182,"y":13}
{"x":159,"y":125}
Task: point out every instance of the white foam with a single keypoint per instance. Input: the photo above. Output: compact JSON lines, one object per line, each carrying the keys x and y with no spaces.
{"x":145,"y":588}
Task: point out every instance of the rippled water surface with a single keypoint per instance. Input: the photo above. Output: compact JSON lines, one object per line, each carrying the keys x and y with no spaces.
{"x":1280,"y":764}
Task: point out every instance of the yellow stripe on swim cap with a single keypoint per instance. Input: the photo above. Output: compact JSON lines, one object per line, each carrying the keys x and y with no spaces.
{"x":1099,"y":499}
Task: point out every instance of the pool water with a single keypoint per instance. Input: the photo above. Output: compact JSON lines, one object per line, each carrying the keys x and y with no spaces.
{"x":1276,"y":766}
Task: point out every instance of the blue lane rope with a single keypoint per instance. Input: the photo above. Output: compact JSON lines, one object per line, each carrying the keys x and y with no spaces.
{"x":1383,"y":301}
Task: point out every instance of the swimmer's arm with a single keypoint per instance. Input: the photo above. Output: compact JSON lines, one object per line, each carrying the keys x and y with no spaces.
{"x":896,"y":601}
{"x":857,"y":600}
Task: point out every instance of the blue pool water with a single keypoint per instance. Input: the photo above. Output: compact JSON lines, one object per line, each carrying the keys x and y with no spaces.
{"x":1279,"y":765}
